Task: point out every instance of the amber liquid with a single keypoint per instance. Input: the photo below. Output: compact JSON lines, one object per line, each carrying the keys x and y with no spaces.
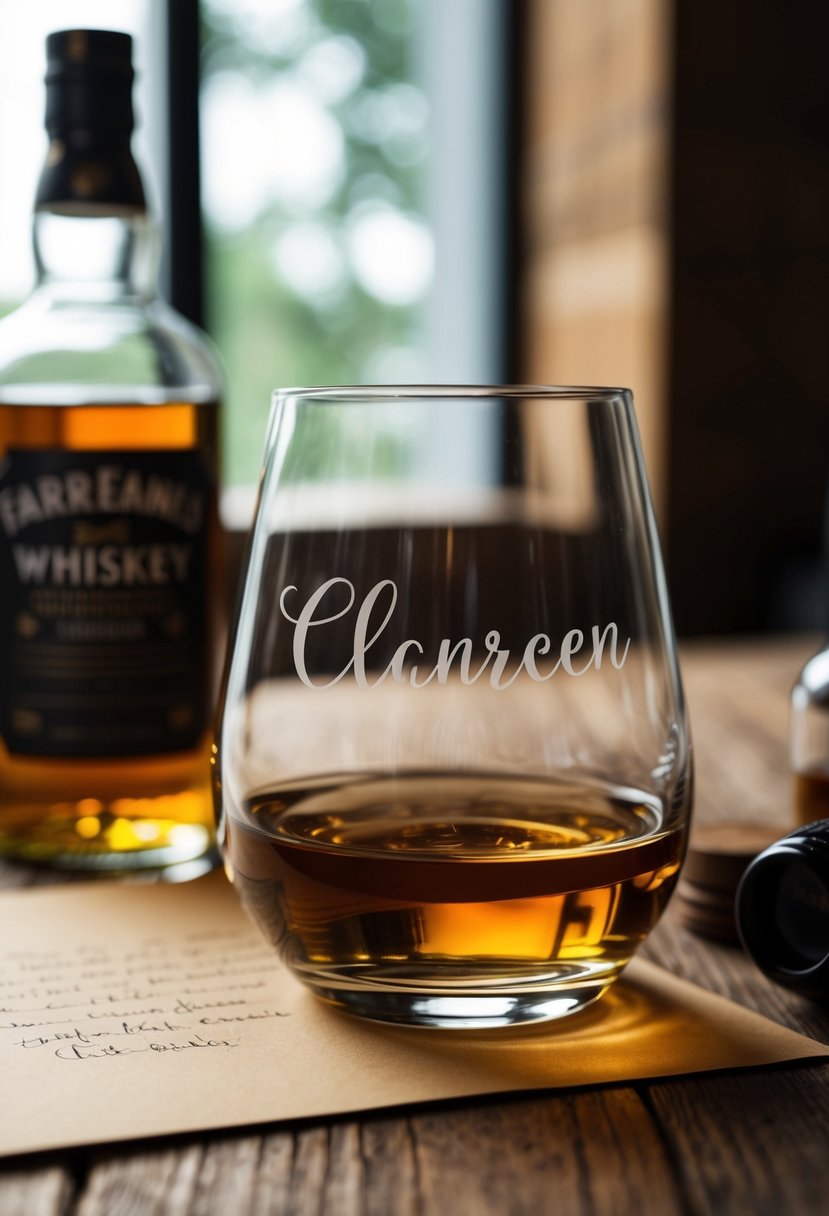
{"x":811,"y":796}
{"x":129,"y":811}
{"x":439,"y":880}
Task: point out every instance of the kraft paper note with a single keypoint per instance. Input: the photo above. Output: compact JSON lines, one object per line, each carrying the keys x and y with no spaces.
{"x":133,"y":1011}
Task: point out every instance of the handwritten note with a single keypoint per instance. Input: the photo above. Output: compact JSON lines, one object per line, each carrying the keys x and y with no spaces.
{"x":160,"y":995}
{"x":133,"y":1011}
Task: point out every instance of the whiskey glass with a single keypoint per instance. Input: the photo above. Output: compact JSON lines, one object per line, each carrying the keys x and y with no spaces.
{"x":452,"y":767}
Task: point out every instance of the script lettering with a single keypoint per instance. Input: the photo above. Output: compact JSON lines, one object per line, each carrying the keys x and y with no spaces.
{"x":577,"y":652}
{"x":158,"y":998}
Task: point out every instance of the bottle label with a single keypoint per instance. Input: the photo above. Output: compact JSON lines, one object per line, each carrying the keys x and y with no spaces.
{"x":103,"y":587}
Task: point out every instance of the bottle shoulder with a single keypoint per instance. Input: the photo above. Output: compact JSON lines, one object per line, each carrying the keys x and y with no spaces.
{"x":57,"y":351}
{"x":812,"y":684}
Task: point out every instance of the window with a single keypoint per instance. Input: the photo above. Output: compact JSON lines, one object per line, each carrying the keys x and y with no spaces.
{"x":351,"y":196}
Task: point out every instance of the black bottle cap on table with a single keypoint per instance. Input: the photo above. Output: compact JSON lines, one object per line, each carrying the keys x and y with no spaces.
{"x":89,"y":119}
{"x":783,"y":910}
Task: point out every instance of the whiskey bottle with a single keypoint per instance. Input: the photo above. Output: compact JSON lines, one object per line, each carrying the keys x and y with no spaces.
{"x":108,"y":522}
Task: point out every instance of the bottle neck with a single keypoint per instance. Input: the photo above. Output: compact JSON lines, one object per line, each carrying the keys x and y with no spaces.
{"x":95,"y":254}
{"x":92,"y":237}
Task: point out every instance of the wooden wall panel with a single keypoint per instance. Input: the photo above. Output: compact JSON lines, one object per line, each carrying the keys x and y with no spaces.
{"x":675,"y":239}
{"x":749,"y":451}
{"x":594,"y":233}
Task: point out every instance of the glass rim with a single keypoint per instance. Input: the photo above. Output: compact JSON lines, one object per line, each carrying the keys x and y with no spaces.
{"x":424,"y":392}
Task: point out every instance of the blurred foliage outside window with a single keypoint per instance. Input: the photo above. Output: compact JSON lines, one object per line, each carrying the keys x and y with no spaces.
{"x":319,"y":255}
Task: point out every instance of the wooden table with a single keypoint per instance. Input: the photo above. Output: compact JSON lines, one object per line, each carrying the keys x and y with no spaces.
{"x":750,"y":1142}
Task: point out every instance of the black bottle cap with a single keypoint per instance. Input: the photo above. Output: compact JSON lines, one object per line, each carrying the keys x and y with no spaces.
{"x":89,"y":79}
{"x":783,"y":910}
{"x":89,"y":118}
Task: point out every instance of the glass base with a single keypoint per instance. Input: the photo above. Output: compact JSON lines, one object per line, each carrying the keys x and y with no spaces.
{"x":473,"y":1003}
{"x":173,"y":852}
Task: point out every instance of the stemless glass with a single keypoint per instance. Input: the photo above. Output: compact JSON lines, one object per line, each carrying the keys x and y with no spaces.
{"x":453,"y":770}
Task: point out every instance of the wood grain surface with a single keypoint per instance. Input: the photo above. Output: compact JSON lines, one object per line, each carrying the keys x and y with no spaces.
{"x":752,"y":1143}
